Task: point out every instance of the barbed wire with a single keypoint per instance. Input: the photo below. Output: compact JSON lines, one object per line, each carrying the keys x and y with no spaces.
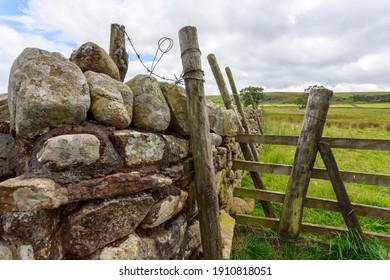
{"x":157,"y":58}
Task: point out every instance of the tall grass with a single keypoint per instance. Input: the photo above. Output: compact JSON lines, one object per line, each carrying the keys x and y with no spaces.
{"x":260,"y":243}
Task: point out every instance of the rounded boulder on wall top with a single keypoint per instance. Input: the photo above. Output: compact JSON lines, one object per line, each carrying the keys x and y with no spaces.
{"x":45,"y":90}
{"x":92,"y":57}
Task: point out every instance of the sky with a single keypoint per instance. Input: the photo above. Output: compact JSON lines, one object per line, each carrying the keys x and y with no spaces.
{"x":280,"y":45}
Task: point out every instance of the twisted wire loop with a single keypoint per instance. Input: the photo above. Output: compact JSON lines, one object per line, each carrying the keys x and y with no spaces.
{"x":160,"y":51}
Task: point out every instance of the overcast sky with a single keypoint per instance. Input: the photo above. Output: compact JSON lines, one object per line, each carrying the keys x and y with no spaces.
{"x":281,"y":45}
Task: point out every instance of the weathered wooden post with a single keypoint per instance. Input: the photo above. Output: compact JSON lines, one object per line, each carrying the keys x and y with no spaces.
{"x":201,"y":144}
{"x":305,"y":155}
{"x":118,"y":49}
{"x":237,"y":100}
{"x":249,"y":153}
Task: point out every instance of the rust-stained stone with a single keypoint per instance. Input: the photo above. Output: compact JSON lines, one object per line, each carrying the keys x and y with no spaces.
{"x":114,"y":185}
{"x":99,"y":223}
{"x":32,"y":194}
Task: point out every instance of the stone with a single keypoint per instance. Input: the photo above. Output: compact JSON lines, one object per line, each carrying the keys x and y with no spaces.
{"x":221,"y":180}
{"x":5,"y":252}
{"x":223,"y":122}
{"x":242,"y":206}
{"x":114,"y":185}
{"x":34,"y":233}
{"x":165,"y":209}
{"x":220,"y":159}
{"x":4,"y":111}
{"x":31,"y":194}
{"x":160,"y":243}
{"x":227,"y":224}
{"x":108,"y":162}
{"x":133,"y":248}
{"x":111,"y":100}
{"x":139,"y":147}
{"x":98,"y":223}
{"x":216,"y":140}
{"x":181,"y":173}
{"x":226,"y":195}
{"x":94,"y":58}
{"x":176,"y":98}
{"x":7,"y":147}
{"x":45,"y":90}
{"x":150,"y":109}
{"x":178,"y":148}
{"x":67,"y":150}
{"x":191,"y":242}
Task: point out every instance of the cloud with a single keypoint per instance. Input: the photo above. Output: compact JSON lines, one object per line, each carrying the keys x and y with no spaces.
{"x":286,"y":44}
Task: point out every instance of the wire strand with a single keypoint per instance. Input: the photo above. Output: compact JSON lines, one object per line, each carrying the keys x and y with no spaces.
{"x":160,"y":51}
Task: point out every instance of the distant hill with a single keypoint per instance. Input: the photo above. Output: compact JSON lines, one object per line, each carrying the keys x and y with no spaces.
{"x":290,"y":97}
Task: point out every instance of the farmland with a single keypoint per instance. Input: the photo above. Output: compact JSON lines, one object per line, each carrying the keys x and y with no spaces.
{"x":350,"y":120}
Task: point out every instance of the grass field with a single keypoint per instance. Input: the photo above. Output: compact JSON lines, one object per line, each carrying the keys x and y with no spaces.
{"x":344,"y":120}
{"x":341,"y":122}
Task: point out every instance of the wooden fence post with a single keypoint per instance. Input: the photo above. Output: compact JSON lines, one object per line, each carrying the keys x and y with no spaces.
{"x":305,"y":155}
{"x":249,"y":153}
{"x":201,"y":144}
{"x":338,"y":186}
{"x":118,"y":49}
{"x":237,"y":100}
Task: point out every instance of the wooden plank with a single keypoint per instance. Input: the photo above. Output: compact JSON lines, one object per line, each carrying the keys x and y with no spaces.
{"x":317,"y":203}
{"x":347,"y":143}
{"x":317,"y":173}
{"x":273,"y":223}
{"x":343,"y":200}
{"x":201,"y":145}
{"x":267,"y":139}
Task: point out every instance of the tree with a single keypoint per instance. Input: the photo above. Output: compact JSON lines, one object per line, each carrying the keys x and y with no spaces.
{"x":301,"y":101}
{"x":252,"y":92}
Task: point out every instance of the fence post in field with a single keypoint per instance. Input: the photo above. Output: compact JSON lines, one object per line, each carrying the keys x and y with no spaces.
{"x":201,"y":144}
{"x":249,"y":153}
{"x":338,"y":186}
{"x":256,"y":110}
{"x":305,"y":155}
{"x":237,"y":100}
{"x":118,"y":49}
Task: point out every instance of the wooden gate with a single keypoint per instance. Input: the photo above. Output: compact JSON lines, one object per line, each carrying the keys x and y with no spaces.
{"x":325,"y":174}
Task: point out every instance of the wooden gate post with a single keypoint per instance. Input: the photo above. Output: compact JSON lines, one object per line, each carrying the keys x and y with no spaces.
{"x":305,"y":155}
{"x":249,"y":152}
{"x":201,"y":144}
{"x":118,"y":49}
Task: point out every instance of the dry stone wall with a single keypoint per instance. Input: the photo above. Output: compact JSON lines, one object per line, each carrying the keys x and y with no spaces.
{"x":93,"y":168}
